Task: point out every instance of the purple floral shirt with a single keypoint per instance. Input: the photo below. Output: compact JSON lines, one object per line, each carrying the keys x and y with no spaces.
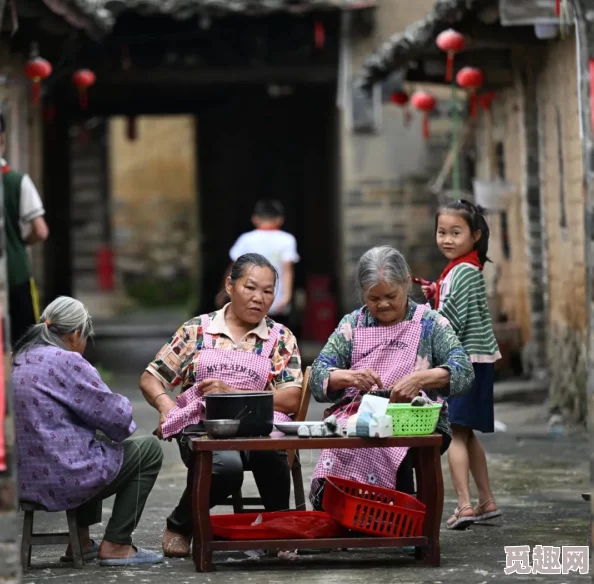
{"x":59,"y":403}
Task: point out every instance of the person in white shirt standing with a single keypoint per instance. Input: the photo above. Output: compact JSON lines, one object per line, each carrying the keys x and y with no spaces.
{"x":24,"y":225}
{"x":277,"y":246}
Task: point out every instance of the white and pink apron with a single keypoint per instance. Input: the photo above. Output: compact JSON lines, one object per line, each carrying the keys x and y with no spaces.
{"x":391,"y":351}
{"x":238,"y":369}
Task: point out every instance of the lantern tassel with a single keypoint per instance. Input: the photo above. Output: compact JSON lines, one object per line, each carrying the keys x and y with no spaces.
{"x":558,"y":7}
{"x":36,"y":91}
{"x":426,"y":126}
{"x":473,"y":108}
{"x":450,"y":66}
{"x":83,"y":99}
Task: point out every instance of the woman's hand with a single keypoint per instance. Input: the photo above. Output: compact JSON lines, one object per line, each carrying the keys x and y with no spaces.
{"x":214,"y":386}
{"x":164,"y":405}
{"x":406,"y":389}
{"x":363,"y":380}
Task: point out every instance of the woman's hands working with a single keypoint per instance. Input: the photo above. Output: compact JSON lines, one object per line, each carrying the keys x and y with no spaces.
{"x":364,"y":380}
{"x":403,"y":391}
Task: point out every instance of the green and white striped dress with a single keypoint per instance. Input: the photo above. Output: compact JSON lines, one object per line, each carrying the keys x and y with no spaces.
{"x":463,"y":301}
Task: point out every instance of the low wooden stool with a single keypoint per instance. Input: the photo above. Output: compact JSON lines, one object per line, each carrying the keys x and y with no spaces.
{"x":30,"y":539}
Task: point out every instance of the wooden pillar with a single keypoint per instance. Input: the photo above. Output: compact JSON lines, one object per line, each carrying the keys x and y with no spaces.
{"x":584,"y":20}
{"x":56,"y":186}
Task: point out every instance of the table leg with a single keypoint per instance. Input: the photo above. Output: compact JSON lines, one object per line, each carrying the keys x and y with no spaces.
{"x":201,"y":548}
{"x":430,"y":492}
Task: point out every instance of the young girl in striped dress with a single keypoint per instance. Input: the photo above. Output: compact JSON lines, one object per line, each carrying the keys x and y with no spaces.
{"x":462,"y":236}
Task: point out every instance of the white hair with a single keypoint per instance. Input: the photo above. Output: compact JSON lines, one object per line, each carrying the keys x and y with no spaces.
{"x":62,"y":316}
{"x":382,"y":264}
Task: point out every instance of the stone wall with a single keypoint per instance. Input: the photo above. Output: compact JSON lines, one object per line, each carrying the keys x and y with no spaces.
{"x":154,"y":208}
{"x":562,"y":181}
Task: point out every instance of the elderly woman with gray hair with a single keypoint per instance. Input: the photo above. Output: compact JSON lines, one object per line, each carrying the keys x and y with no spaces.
{"x":392,"y":347}
{"x":60,"y":404}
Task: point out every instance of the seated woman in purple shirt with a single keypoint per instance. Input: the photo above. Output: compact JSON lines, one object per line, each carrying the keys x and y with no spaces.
{"x":60,"y":403}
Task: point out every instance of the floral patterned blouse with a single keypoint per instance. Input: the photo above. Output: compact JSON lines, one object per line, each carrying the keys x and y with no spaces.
{"x":438,"y":347}
{"x":175,"y":363}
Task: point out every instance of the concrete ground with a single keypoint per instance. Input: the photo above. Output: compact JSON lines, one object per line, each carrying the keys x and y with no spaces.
{"x":537,"y":478}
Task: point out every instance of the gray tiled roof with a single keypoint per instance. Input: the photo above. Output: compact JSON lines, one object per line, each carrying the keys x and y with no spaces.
{"x":410,"y":44}
{"x":103,"y":13}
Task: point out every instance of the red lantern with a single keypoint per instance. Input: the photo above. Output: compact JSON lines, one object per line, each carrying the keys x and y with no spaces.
{"x":319,"y":34}
{"x":37,"y":70}
{"x":558,"y":8}
{"x":426,"y":103}
{"x":399,"y":98}
{"x":486,"y":99}
{"x":451,"y":42}
{"x":83,"y":79}
{"x":470,"y":78}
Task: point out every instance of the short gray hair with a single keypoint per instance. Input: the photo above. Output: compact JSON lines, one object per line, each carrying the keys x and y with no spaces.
{"x":382,"y":264}
{"x":64,"y":315}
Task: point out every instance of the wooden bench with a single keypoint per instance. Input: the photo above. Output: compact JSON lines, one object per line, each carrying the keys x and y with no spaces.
{"x":240,"y":503}
{"x":30,"y":538}
{"x":429,"y":491}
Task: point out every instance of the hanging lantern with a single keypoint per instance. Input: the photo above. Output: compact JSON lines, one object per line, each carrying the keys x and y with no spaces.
{"x":83,"y":79}
{"x":401,"y":99}
{"x":451,"y":42}
{"x":319,"y":34}
{"x":37,"y":69}
{"x":425,"y":103}
{"x":470,"y":78}
{"x":486,"y":99}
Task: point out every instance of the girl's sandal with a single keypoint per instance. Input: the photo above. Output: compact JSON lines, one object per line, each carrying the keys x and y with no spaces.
{"x":458,"y":521}
{"x":482,"y":515}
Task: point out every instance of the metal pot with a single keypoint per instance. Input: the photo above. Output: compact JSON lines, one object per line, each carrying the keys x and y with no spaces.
{"x":227,"y":406}
{"x":221,"y":428}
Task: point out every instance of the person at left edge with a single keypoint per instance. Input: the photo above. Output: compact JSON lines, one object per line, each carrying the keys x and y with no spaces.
{"x":24,"y":225}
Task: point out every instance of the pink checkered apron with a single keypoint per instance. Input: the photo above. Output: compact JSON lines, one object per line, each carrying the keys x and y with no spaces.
{"x":238,"y":369}
{"x":391,"y":351}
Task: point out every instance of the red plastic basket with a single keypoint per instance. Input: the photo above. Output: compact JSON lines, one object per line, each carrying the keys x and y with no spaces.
{"x":373,"y":510}
{"x":286,"y":525}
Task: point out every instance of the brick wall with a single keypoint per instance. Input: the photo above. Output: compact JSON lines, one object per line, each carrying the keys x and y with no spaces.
{"x":506,"y":278}
{"x":384,"y":176}
{"x":562,"y":183}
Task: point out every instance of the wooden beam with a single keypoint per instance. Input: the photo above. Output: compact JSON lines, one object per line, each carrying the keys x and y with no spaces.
{"x":186,"y":78}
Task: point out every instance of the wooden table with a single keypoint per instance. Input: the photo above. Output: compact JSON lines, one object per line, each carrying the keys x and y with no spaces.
{"x":429,"y":491}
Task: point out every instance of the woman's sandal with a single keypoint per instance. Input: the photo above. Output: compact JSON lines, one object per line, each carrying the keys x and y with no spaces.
{"x":458,"y":521}
{"x":482,"y":515}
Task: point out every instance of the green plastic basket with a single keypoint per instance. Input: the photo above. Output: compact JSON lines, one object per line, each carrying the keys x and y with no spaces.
{"x":410,"y":420}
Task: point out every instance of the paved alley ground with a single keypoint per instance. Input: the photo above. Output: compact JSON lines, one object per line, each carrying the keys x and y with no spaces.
{"x":538,"y":479}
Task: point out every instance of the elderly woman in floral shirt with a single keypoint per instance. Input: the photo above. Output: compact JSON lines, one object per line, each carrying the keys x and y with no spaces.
{"x":392,"y":347}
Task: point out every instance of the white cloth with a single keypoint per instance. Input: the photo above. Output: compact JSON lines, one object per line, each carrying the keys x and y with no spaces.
{"x":31,"y":206}
{"x":278,"y":247}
